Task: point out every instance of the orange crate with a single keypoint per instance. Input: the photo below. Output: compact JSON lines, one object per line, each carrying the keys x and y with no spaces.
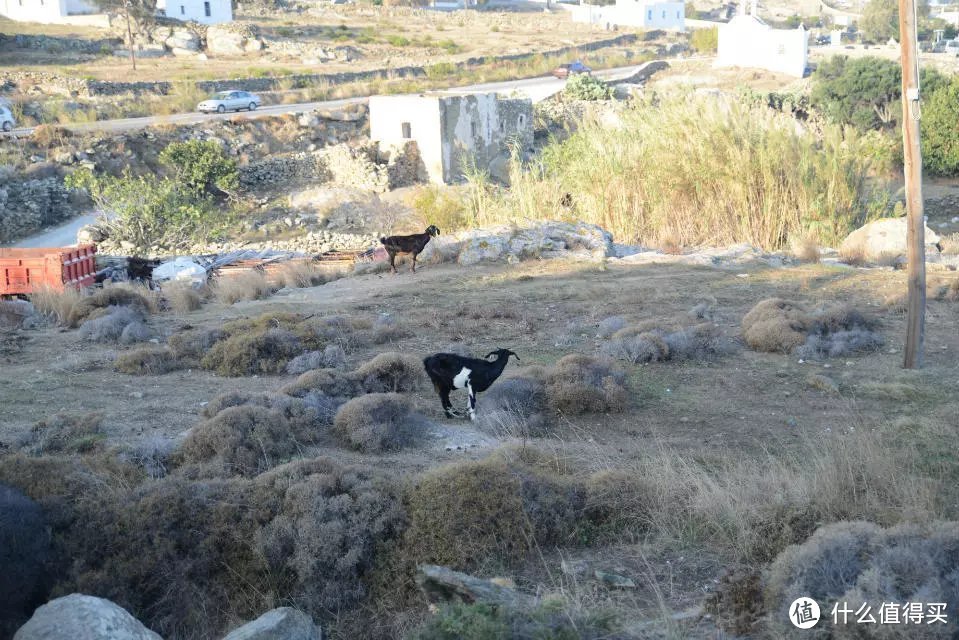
{"x":22,"y":270}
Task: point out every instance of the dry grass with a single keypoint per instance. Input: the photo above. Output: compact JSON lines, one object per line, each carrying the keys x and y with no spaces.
{"x":58,"y":305}
{"x":299,"y":274}
{"x":66,"y":432}
{"x":806,"y":249}
{"x":146,"y":361}
{"x":182,"y":297}
{"x":248,"y":285}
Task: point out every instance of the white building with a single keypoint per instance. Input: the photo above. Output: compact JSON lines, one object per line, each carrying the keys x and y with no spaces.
{"x":747,"y":41}
{"x":633,"y":13}
{"x":202,"y":11}
{"x":452,"y":129}
{"x":53,"y":12}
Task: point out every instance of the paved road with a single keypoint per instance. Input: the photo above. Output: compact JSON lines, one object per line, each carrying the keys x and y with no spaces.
{"x":62,"y":236}
{"x":535,"y":88}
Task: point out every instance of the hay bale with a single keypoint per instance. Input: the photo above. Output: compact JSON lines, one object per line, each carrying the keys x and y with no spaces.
{"x":392,"y":372}
{"x":775,"y":325}
{"x":377,"y":422}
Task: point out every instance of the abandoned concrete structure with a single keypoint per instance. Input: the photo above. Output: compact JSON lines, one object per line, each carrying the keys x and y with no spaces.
{"x":453,"y":129}
{"x":747,"y":41}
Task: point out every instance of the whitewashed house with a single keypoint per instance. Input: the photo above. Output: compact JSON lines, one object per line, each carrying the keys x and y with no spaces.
{"x":53,"y":12}
{"x":202,"y":11}
{"x":747,"y":41}
{"x":642,"y":14}
{"x":451,"y":129}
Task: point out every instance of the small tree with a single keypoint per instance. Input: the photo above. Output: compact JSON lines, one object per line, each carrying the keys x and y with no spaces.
{"x":201,"y":166}
{"x":863,"y":92}
{"x":880,"y":20}
{"x":939,"y":129}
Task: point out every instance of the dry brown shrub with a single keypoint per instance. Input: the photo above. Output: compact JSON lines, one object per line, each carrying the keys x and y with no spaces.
{"x":737,"y":601}
{"x":248,"y":285}
{"x":579,"y":384}
{"x":244,"y":440}
{"x":56,"y":304}
{"x":182,"y":297}
{"x":377,"y":422}
{"x":49,"y":135}
{"x":300,"y":274}
{"x":331,"y":382}
{"x":147,"y":360}
{"x":190,"y":345}
{"x":66,"y":432}
{"x":253,"y":353}
{"x":636,"y":329}
{"x":89,"y":306}
{"x":806,"y":249}
{"x":392,"y":371}
{"x":775,"y":325}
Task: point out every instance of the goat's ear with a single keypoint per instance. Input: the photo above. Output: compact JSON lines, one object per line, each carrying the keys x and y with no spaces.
{"x":514,"y":355}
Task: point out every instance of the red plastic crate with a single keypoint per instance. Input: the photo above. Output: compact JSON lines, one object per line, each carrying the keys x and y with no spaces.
{"x":22,"y":270}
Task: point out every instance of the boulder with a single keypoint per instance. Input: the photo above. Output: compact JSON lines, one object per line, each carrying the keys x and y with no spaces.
{"x":484,"y":246}
{"x":881,"y":240}
{"x":226,"y":41}
{"x":183,"y":39}
{"x":91,"y":234}
{"x":253,"y":45}
{"x":80,"y":617}
{"x":284,"y":623}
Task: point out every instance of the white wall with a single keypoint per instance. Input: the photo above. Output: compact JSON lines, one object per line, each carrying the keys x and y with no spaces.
{"x":746,"y":41}
{"x":43,"y":11}
{"x":634,"y":13}
{"x":422,"y":113}
{"x":220,"y":10}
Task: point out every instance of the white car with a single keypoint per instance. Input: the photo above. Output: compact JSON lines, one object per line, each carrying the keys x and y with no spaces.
{"x":7,"y":123}
{"x":230,"y":101}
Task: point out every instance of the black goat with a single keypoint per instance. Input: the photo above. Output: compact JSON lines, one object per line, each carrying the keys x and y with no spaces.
{"x":413,"y":244}
{"x":449,"y":371}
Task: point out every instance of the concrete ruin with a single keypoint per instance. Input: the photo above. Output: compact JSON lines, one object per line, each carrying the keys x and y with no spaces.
{"x":451,"y":130}
{"x":746,"y":41}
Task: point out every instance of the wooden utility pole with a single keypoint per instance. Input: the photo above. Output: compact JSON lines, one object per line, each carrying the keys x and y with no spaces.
{"x":126,"y":11}
{"x":912,"y":156}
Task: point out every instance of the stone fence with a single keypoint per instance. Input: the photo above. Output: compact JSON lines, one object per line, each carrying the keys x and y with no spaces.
{"x":91,"y":87}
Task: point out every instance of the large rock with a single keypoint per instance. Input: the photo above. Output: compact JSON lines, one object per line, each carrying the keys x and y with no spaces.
{"x":80,"y":617}
{"x":484,"y":246}
{"x":183,"y":39}
{"x":226,"y":41}
{"x":284,"y":623}
{"x":881,"y":240}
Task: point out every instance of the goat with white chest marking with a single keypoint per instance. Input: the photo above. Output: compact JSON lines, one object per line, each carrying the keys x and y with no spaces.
{"x":449,"y":371}
{"x":412,"y":244}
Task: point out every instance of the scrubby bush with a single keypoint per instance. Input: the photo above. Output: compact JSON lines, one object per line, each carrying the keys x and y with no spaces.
{"x":245,"y":440}
{"x":110,"y":325}
{"x":705,"y":40}
{"x":249,"y":285}
{"x":136,"y":331}
{"x":377,"y":422}
{"x":181,"y":297}
{"x":489,"y":512}
{"x":579,"y":384}
{"x":860,"y":563}
{"x":584,"y":86}
{"x":92,"y":305}
{"x":66,"y":432}
{"x":387,"y":329}
{"x":253,"y":353}
{"x":191,"y":345}
{"x":775,"y":325}
{"x":839,"y":331}
{"x":321,"y":544}
{"x":54,"y":304}
{"x":201,"y":165}
{"x":609,"y":326}
{"x":649,"y":346}
{"x":515,"y":407}
{"x":24,"y":555}
{"x":485,"y":622}
{"x":147,"y":360}
{"x":331,"y":382}
{"x":331,"y":357}
{"x":392,"y":371}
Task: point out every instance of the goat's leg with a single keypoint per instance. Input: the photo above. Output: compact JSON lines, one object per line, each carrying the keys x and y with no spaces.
{"x":447,"y":405}
{"x":392,"y":261}
{"x":470,"y":401}
{"x":413,"y":264}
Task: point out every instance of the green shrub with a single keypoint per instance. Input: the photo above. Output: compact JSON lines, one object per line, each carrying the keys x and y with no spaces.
{"x":940,"y":136}
{"x":201,"y":165}
{"x":705,"y":40}
{"x":485,"y":622}
{"x":583,"y":86}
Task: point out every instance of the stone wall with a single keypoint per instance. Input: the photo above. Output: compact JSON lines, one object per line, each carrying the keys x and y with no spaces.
{"x":89,"y":87}
{"x":287,"y":168}
{"x":30,"y":205}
